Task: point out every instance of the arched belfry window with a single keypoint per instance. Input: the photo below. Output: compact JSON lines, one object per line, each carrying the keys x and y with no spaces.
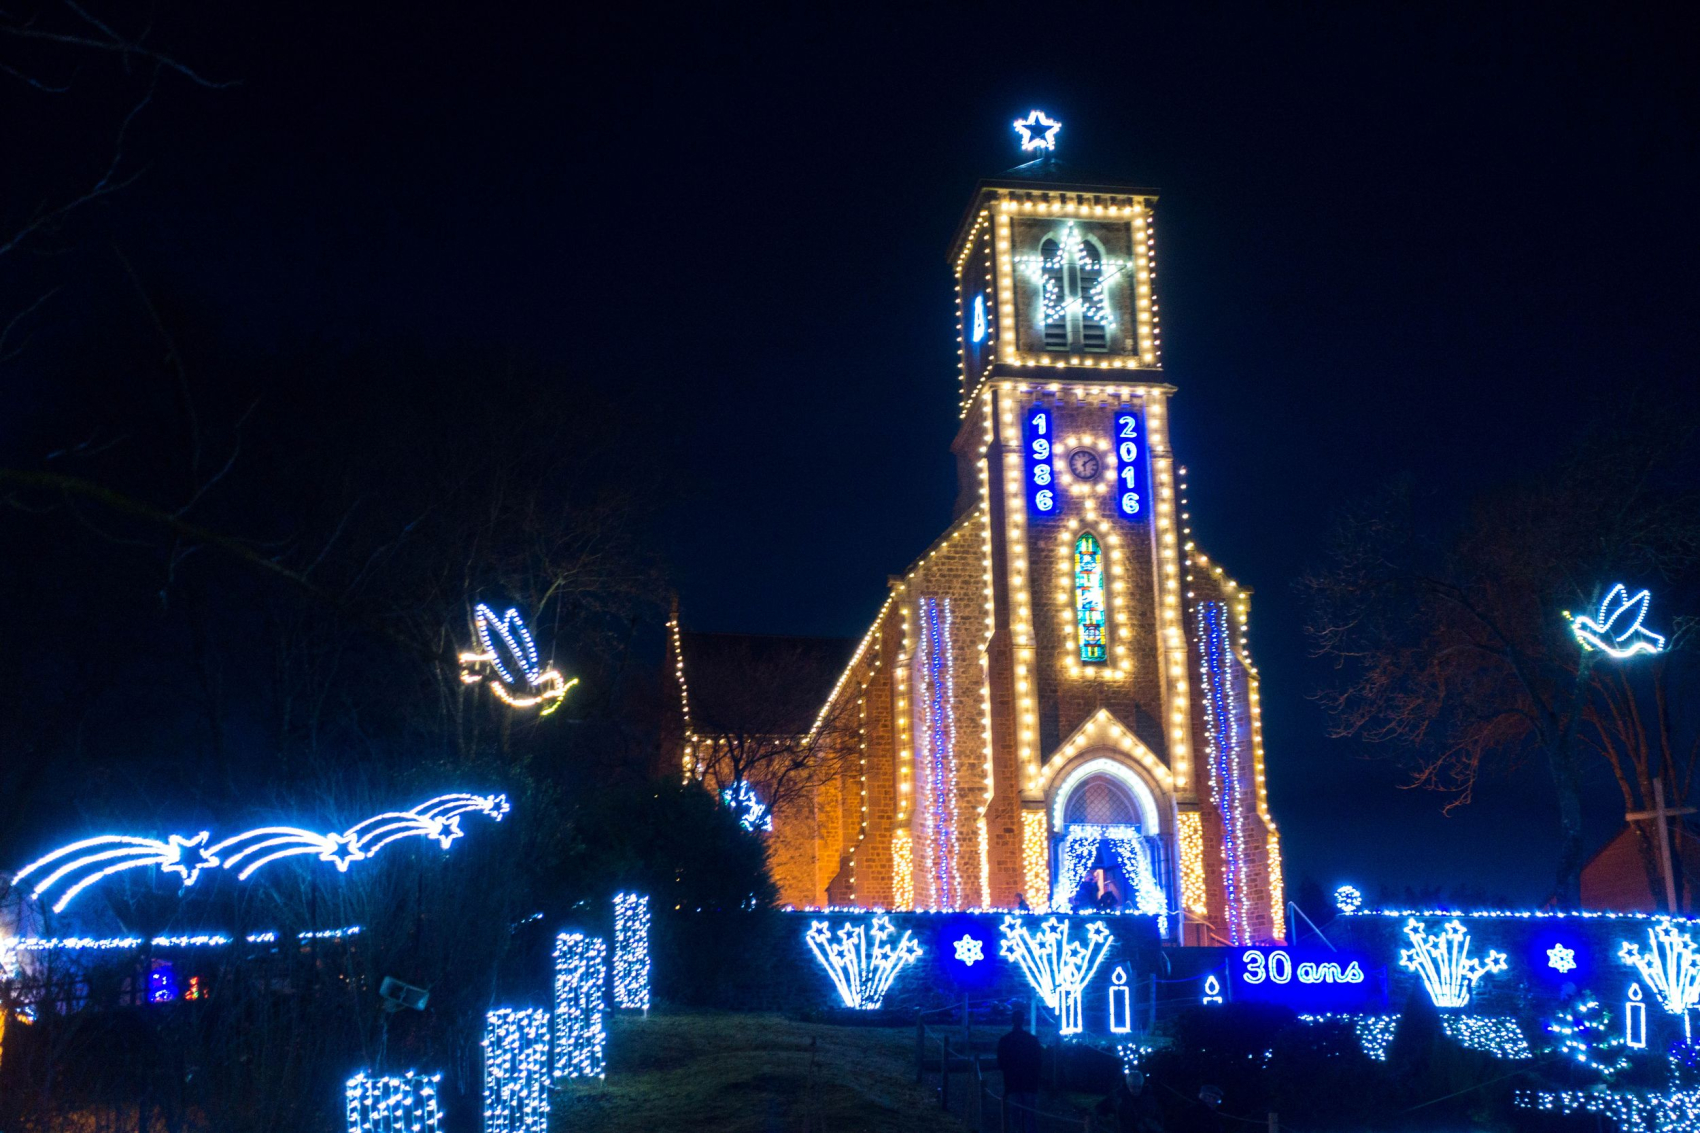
{"x":1053,"y":272}
{"x":1071,"y":272}
{"x":1089,"y":597}
{"x":1094,"y":317}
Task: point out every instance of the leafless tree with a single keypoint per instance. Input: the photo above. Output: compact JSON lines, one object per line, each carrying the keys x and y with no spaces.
{"x":1453,"y":641}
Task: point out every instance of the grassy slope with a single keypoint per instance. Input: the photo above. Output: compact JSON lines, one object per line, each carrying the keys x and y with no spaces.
{"x":724,"y":1073}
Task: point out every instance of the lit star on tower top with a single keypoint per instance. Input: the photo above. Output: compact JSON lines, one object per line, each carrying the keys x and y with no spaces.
{"x":1561,"y":958}
{"x":968,"y":950}
{"x":1037,"y":131}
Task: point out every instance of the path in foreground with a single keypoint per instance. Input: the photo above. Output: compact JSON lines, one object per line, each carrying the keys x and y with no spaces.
{"x":725,"y":1073}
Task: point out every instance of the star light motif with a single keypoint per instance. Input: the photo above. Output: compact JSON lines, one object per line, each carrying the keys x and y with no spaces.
{"x":341,"y":849}
{"x":448,"y":830}
{"x":968,"y":950}
{"x":188,"y":856}
{"x":1561,"y":958}
{"x":1037,"y":131}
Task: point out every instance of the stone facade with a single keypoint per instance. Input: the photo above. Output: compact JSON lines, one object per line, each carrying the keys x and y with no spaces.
{"x":971,"y":735}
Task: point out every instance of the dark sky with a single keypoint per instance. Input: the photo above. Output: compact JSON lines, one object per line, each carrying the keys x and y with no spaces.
{"x":1389,"y":239}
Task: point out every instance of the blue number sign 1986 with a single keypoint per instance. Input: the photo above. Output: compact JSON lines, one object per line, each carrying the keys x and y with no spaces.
{"x":1041,"y":491}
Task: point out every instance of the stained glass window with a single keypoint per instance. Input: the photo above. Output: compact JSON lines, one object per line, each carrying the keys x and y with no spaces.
{"x":1089,"y":597}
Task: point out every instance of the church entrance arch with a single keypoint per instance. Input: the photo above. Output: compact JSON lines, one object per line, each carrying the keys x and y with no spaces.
{"x":1106,"y":838}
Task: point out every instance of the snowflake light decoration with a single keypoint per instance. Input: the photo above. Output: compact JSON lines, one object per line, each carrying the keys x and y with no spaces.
{"x":1443,"y":960}
{"x":506,"y":648}
{"x":1670,"y":967}
{"x":1616,"y":630}
{"x":1561,"y":959}
{"x":1348,"y":900}
{"x":1038,"y":131}
{"x":1057,"y":968}
{"x":861,"y":975}
{"x":969,"y":950}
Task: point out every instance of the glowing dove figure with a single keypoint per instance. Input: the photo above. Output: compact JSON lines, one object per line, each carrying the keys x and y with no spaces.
{"x":505,"y":645}
{"x":1617,"y":631}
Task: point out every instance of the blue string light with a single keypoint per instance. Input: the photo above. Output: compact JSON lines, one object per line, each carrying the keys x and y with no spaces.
{"x":631,"y":951}
{"x":83,"y":863}
{"x":516,"y":1070}
{"x":581,"y":969}
{"x":1225,"y":761}
{"x":404,"y":1104}
{"x":936,"y":725}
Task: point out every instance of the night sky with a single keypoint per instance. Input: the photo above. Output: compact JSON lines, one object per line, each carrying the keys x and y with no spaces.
{"x":1388,"y":241}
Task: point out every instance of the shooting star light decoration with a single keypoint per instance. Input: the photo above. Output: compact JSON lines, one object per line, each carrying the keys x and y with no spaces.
{"x":862,"y":976}
{"x":69,"y":870}
{"x":1617,"y":631}
{"x":507,"y":648}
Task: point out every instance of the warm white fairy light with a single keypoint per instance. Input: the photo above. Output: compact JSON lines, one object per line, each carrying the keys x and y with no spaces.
{"x":861,"y":974}
{"x":581,"y":970}
{"x":1443,"y":961}
{"x":1055,"y":966}
{"x":394,"y":1104}
{"x":81,"y":864}
{"x":631,"y":951}
{"x":516,"y":1070}
{"x":506,"y":647}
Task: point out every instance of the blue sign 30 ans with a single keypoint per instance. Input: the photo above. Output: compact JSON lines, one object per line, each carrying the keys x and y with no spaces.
{"x":1308,"y":979}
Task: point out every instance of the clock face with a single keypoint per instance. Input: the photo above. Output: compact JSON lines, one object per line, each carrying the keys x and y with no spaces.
{"x":1084,"y":463}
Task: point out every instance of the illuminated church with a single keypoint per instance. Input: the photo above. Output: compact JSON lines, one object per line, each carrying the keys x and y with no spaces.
{"x":1055,"y":705}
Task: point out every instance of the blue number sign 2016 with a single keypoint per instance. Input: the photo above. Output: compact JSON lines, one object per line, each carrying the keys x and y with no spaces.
{"x":1302,"y":978}
{"x":1041,"y":491}
{"x":1130,"y":464}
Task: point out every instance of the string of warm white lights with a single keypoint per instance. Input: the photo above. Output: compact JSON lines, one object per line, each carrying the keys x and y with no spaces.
{"x":581,"y":970}
{"x":862,"y":975}
{"x":391,"y":1104}
{"x":516,"y":1070}
{"x":506,"y":647}
{"x":83,"y":863}
{"x":631,"y":951}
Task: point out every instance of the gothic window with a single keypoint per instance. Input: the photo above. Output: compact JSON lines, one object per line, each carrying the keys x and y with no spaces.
{"x":1094,"y":316}
{"x":1053,"y":274}
{"x":1089,"y":597}
{"x":1102,"y":801}
{"x":1074,"y":308}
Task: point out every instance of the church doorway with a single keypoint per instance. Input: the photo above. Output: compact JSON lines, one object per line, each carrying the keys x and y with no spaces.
{"x":1106,"y":848}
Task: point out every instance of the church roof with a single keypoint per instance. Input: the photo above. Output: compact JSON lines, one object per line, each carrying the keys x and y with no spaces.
{"x":1049,"y":173}
{"x":757,"y":684}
